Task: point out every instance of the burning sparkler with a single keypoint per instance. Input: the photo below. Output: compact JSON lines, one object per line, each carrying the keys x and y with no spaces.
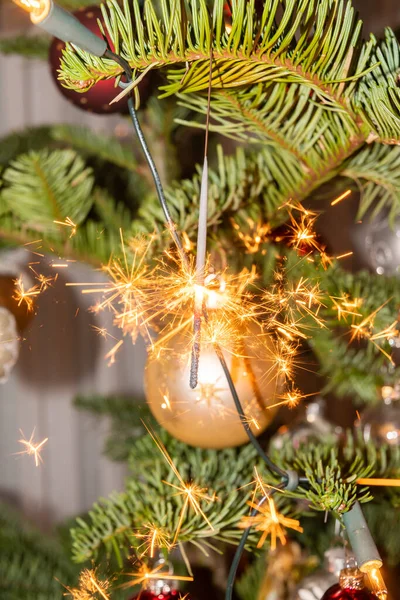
{"x":154,"y":537}
{"x":27,"y":296}
{"x":31,"y":448}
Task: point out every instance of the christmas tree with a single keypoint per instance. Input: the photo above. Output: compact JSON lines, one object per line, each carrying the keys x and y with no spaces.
{"x":221,"y":270}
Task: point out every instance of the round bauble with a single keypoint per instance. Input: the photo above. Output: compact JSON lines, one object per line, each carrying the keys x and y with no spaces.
{"x":377,"y":244}
{"x":206,"y":416}
{"x":97,"y":99}
{"x":310,"y":426}
{"x":148,"y":595}
{"x":381,"y":423}
{"x":336,"y":592}
{"x":351,"y":586}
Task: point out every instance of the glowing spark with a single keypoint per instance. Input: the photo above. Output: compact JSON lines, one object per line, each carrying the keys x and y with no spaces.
{"x":344,"y":255}
{"x":257,"y":235}
{"x":31,"y":448}
{"x":90,"y":587}
{"x":155,"y":537}
{"x":59,"y":265}
{"x":144,"y":575}
{"x":364,"y":328}
{"x":379,"y":482}
{"x":102,"y":331}
{"x":111,"y":354}
{"x":21,"y":295}
{"x":68,"y":223}
{"x":270,"y":522}
{"x":192,"y":493}
{"x":290,"y":398}
{"x":345,"y":194}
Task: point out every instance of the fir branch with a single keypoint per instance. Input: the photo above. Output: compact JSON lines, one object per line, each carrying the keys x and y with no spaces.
{"x":34,"y":47}
{"x":32,"y":138}
{"x":31,"y":565}
{"x":376,"y":170}
{"x":90,"y":143}
{"x":42,"y":187}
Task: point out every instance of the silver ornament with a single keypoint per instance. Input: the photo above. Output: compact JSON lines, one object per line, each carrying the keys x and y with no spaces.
{"x":9,"y":343}
{"x":377,"y":243}
{"x":314,"y":586}
{"x":381,"y":423}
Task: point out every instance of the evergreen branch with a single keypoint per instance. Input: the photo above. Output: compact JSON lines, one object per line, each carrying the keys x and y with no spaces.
{"x":102,"y":146}
{"x":36,"y":47}
{"x":257,"y":49}
{"x":31,"y":565}
{"x":378,"y":94}
{"x":126,"y":421}
{"x":32,"y":138}
{"x":376,"y":170}
{"x":42,"y":187}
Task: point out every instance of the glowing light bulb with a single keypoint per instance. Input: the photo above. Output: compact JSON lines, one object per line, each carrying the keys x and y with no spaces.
{"x":377,"y":584}
{"x":38,"y":9}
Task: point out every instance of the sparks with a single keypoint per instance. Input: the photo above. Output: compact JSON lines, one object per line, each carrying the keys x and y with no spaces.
{"x":345,"y":194}
{"x":154,"y":537}
{"x":21,"y":295}
{"x":90,"y":587}
{"x":270,"y":522}
{"x":144,"y":575}
{"x":31,"y":448}
{"x":68,"y":223}
{"x":193,"y":495}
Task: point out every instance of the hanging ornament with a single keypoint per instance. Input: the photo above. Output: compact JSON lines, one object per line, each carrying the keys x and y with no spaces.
{"x":9,"y":343}
{"x":381,"y":423}
{"x":310,"y":425}
{"x":148,"y":595}
{"x":97,"y":99}
{"x":313,"y":586}
{"x":351,"y":586}
{"x":206,"y":416}
{"x":377,"y":244}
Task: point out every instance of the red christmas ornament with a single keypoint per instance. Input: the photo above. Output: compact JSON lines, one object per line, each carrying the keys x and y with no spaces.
{"x":336,"y":592}
{"x":97,"y":99}
{"x":350,"y":587}
{"x":147,"y":595}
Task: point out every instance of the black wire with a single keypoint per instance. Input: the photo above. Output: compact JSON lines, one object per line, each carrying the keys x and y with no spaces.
{"x":160,"y":192}
{"x":270,"y":464}
{"x":241,"y":546}
{"x":142,"y":140}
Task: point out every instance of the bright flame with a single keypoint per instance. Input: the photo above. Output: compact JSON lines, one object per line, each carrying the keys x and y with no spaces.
{"x":144,"y":575}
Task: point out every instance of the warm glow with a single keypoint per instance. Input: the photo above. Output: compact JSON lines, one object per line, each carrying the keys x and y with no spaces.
{"x":377,"y":584}
{"x":38,"y":9}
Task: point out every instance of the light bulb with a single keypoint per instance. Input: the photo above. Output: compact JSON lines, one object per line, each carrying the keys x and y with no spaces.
{"x":377,"y":584}
{"x":38,"y":9}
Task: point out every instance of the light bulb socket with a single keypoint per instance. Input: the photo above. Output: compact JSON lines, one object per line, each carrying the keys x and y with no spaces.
{"x":66,"y":27}
{"x":361,"y":540}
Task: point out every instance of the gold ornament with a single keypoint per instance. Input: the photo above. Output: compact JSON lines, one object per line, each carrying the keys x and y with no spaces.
{"x":206,"y":416}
